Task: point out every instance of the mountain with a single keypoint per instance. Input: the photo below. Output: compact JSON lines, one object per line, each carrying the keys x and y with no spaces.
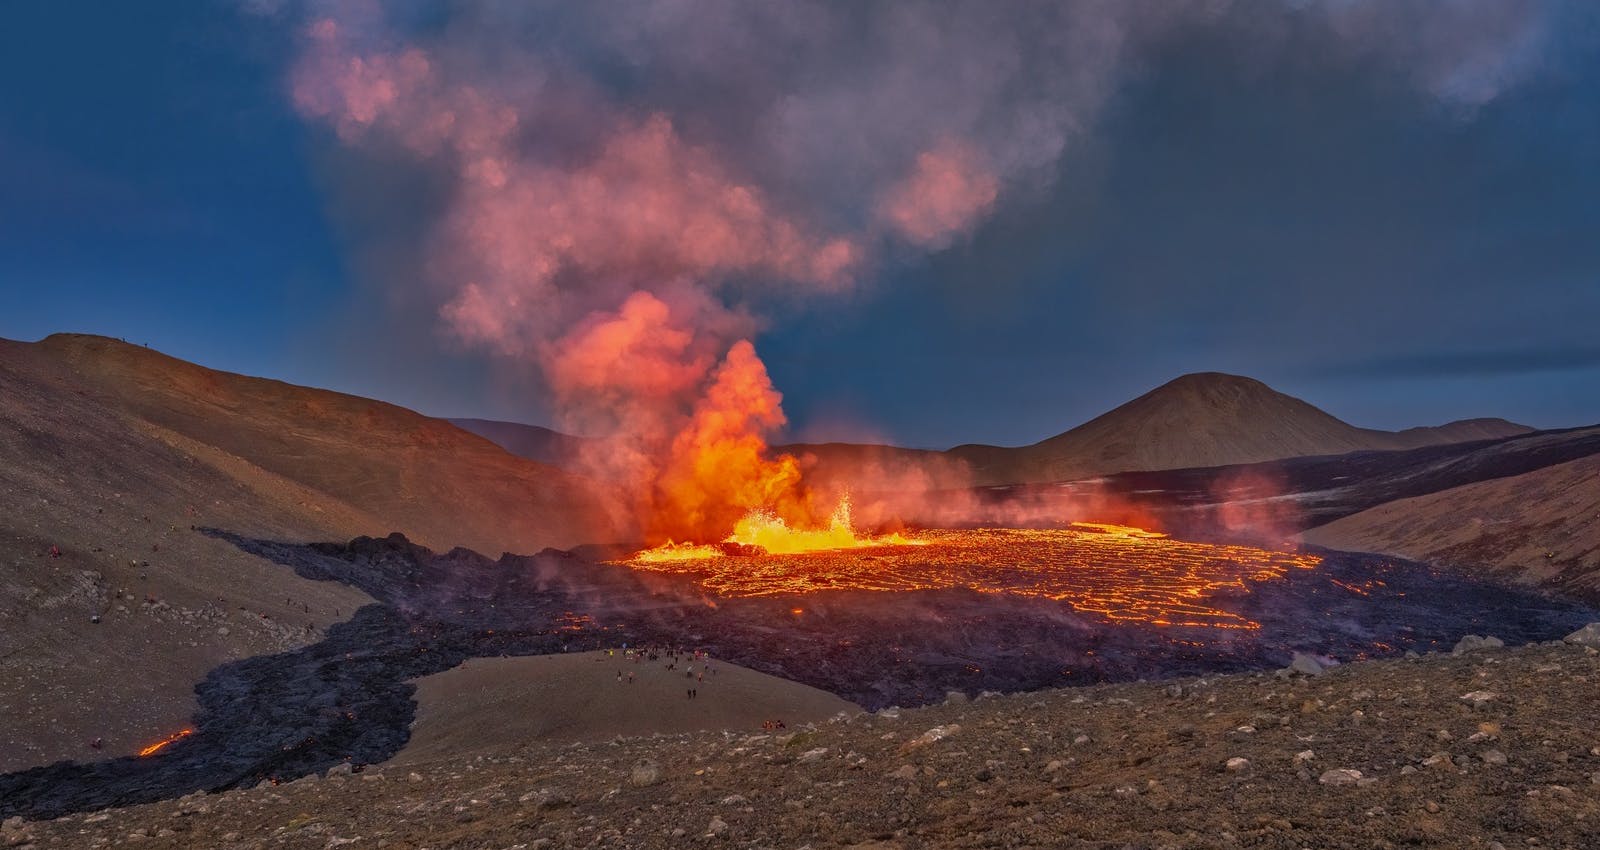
{"x":1199,"y":420}
{"x":1541,"y":527}
{"x":111,"y":455}
{"x":425,"y":477}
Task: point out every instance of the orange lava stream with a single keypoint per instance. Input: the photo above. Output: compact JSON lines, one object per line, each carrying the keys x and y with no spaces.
{"x":163,"y":744}
{"x":1125,"y":574}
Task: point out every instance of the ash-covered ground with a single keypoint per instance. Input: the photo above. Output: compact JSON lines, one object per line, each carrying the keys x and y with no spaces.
{"x":346,"y":699}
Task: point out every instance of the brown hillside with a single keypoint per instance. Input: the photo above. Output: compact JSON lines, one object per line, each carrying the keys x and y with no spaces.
{"x":439,"y":484}
{"x":112,"y":453}
{"x":1542,"y":526}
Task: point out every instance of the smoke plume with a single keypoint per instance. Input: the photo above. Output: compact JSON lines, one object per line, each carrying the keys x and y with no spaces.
{"x":632,"y":186}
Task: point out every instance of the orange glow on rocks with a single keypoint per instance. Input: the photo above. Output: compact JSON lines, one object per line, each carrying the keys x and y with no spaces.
{"x":1124,"y":574}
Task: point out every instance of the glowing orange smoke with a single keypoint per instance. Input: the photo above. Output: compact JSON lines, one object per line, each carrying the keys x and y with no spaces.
{"x":717,"y":470}
{"x":166,"y":742}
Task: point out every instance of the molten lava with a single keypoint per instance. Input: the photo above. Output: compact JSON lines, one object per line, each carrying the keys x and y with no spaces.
{"x":165,"y":742}
{"x":1119,"y":572}
{"x":767,"y":532}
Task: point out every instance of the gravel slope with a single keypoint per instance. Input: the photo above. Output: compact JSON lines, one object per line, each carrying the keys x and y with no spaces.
{"x":1541,"y":527}
{"x":1490,"y":747}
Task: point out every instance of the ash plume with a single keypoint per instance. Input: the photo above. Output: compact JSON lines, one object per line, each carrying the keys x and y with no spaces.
{"x":633,"y":189}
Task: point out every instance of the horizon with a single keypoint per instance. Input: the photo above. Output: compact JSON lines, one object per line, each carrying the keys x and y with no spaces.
{"x":1397,"y":232}
{"x":790,"y":442}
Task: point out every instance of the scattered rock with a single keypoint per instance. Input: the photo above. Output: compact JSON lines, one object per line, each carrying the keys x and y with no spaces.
{"x":717,"y":827}
{"x":1478,"y":699}
{"x":545,"y":799}
{"x":1340,"y":776}
{"x":1237,"y":764}
{"x":1305,"y":665}
{"x":811,"y":756}
{"x":955,"y":698}
{"x":1493,"y":757}
{"x":937,"y":733}
{"x":644,"y":773}
{"x":1475,"y":643}
{"x":1437,"y":760}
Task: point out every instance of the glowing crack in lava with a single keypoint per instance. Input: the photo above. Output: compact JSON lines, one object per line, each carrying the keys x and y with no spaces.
{"x":1124,"y":574}
{"x":165,"y":742}
{"x":773,"y":536}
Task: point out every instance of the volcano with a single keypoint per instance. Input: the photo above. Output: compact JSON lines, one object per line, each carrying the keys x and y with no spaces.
{"x":1197,"y":420}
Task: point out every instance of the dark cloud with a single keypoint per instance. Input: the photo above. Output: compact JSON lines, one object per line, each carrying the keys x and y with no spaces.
{"x":1467,"y":363}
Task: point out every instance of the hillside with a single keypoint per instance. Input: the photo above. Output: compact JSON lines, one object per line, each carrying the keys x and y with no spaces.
{"x":111,"y":454}
{"x":1541,"y":526}
{"x":1199,"y":420}
{"x":437,"y":483}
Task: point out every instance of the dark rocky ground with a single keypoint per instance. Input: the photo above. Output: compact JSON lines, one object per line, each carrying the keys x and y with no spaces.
{"x":1494,"y":748}
{"x":1298,"y":493}
{"x":346,"y":700}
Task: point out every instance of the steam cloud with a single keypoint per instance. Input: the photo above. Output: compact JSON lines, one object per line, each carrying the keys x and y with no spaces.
{"x":629,"y":182}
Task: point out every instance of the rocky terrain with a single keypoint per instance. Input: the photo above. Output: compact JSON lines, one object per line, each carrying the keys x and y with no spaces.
{"x":348,"y":698}
{"x":1490,"y":748}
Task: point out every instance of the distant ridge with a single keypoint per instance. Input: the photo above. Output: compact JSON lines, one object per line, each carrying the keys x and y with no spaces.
{"x":534,"y":442}
{"x":1197,"y":420}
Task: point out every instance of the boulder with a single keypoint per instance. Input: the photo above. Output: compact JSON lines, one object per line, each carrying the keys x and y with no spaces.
{"x":1588,"y":636}
{"x":1475,"y":643}
{"x":1340,"y":776}
{"x":1306,"y":665}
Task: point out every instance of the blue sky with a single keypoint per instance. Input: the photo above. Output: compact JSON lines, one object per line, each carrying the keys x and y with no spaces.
{"x":1390,"y":258}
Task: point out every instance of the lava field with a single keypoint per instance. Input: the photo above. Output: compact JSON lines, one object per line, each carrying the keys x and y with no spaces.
{"x":1010,"y":611}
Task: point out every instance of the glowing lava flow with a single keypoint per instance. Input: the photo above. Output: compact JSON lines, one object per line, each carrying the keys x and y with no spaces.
{"x":163,"y":744}
{"x":773,"y":536}
{"x":1121,"y":573}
